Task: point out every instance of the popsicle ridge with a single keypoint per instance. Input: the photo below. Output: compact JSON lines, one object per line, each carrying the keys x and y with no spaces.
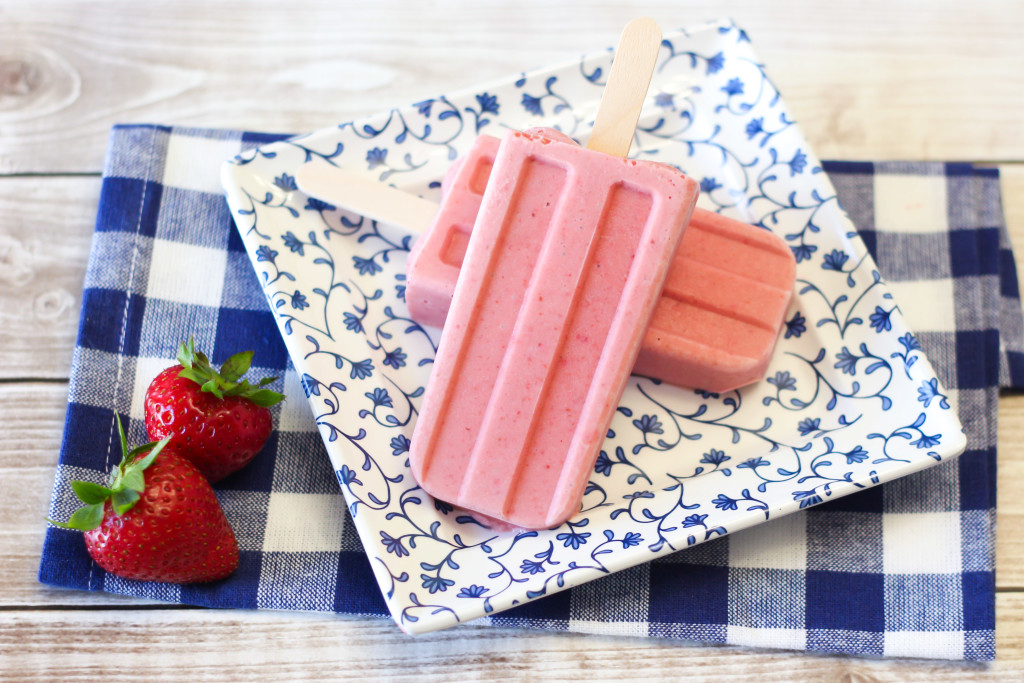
{"x":502,"y":287}
{"x":550,"y":330}
{"x":724,"y":300}
{"x":748,"y":315}
{"x":604,"y":272}
{"x":764,"y":256}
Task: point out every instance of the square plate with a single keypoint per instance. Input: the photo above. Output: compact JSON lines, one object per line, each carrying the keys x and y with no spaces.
{"x":849,"y":400}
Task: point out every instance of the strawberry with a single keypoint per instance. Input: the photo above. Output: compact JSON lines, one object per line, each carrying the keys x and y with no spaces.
{"x":158,"y":519}
{"x":220,"y":423}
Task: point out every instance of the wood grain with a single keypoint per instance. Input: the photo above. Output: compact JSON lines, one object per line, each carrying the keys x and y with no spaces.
{"x":1011,"y":177}
{"x":1010,"y":487}
{"x":1010,"y":492}
{"x":45,"y":234}
{"x":227,"y":645}
{"x":874,"y":80}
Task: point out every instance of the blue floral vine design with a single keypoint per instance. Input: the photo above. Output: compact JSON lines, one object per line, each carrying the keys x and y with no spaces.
{"x":535,"y":104}
{"x":426,"y":134}
{"x":906,"y":432}
{"x":269,"y":201}
{"x":638,"y":512}
{"x":910,"y":346}
{"x":395,"y":578}
{"x":544,"y":560}
{"x":726,"y":503}
{"x":847,"y":363}
{"x":842,"y":321}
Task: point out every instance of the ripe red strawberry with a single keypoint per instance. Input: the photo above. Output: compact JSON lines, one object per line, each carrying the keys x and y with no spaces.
{"x":220,"y":423}
{"x":157,"y":520}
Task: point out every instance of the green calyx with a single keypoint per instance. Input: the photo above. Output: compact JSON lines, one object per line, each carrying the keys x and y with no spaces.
{"x":125,"y":484}
{"x":228,"y":382}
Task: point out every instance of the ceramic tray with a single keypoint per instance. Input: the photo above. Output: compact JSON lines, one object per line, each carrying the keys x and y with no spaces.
{"x":849,"y":401}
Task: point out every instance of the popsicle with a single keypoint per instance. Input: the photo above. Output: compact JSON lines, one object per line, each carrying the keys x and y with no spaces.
{"x":568,"y":254}
{"x":716,"y":323}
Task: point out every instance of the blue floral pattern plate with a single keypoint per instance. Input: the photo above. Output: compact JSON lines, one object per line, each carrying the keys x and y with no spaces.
{"x":849,"y":400}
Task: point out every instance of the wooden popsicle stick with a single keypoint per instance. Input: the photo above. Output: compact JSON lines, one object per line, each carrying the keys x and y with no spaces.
{"x":621,"y":101}
{"x":365,"y":196}
{"x":626,"y":89}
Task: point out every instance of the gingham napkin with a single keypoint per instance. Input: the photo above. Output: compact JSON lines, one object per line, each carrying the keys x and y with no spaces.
{"x":904,"y":569}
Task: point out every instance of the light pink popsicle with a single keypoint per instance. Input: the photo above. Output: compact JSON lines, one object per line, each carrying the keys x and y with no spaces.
{"x":718,"y":319}
{"x":570,"y":250}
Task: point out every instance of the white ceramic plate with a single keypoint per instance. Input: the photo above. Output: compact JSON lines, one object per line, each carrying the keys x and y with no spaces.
{"x":849,"y":401}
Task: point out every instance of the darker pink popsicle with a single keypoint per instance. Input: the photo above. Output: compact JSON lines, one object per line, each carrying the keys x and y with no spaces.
{"x":716,"y":323}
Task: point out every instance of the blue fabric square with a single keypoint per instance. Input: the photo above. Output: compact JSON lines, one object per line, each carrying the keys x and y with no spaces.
{"x":977,"y":479}
{"x":979,"y":601}
{"x":968,"y":198}
{"x":989,"y":252}
{"x":136,"y":151}
{"x":845,"y":601}
{"x":974,"y":252}
{"x":692,"y":594}
{"x":247,"y":513}
{"x":302,"y":580}
{"x":240,"y":330}
{"x":129,"y":205}
{"x":1009,"y":287}
{"x":977,"y":547}
{"x":356,"y":590}
{"x":977,"y":360}
{"x":958,"y":169}
{"x":931,"y":258}
{"x":238,"y":590}
{"x":75,"y":569}
{"x":103,"y":325}
{"x":89,"y":428}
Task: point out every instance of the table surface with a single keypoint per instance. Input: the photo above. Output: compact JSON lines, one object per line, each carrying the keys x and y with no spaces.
{"x":878,"y":79}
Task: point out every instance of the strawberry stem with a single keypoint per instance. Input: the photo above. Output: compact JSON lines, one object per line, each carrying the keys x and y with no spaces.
{"x":127,"y":482}
{"x":228,"y":381}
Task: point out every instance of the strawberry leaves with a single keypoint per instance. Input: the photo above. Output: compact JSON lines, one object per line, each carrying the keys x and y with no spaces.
{"x":225,"y":383}
{"x":90,"y":516}
{"x":125,"y":483}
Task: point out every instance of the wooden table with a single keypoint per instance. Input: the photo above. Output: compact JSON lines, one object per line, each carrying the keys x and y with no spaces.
{"x":886,"y":79}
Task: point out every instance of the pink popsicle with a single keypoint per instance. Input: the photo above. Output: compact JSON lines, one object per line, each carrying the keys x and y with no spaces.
{"x":570,"y":250}
{"x":716,"y":323}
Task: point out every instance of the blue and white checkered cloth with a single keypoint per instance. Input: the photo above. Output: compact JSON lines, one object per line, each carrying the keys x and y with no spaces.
{"x":904,"y":569}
